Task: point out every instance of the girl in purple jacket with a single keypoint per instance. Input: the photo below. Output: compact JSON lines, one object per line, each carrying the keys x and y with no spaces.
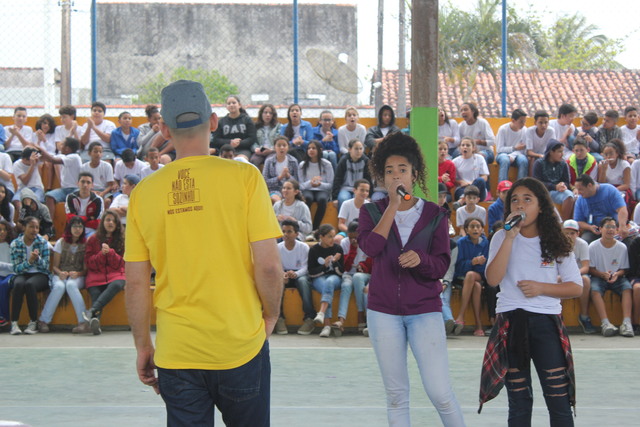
{"x":409,"y":243}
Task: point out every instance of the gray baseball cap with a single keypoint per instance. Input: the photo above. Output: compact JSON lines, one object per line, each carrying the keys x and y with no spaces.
{"x":185,"y":97}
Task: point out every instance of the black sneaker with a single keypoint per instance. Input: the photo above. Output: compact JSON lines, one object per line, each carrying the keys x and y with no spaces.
{"x":95,"y":326}
{"x":585,"y":322}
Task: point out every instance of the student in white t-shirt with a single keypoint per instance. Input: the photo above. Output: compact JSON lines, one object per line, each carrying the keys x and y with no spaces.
{"x":449,"y":132}
{"x":581,"y":251}
{"x":153,"y":159}
{"x":350,"y":130}
{"x":615,"y":170}
{"x":564,"y":128}
{"x":120,"y":203}
{"x":19,"y":135}
{"x":511,"y":147}
{"x":631,"y":133}
{"x":294,"y":255}
{"x":526,"y":262}
{"x":102,"y":172}
{"x":537,"y":137}
{"x":350,"y":209}
{"x":470,"y":209}
{"x":478,"y":129}
{"x":27,"y":175}
{"x":471,"y":168}
{"x":97,"y":129}
{"x":69,"y":126}
{"x":71,"y":168}
{"x":129,"y":165}
{"x":6,"y":170}
{"x":608,"y":261}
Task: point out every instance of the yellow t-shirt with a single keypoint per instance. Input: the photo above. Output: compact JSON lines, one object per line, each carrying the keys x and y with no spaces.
{"x":194,"y":219}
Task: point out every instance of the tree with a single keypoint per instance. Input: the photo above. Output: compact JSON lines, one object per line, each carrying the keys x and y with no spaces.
{"x":217,"y":86}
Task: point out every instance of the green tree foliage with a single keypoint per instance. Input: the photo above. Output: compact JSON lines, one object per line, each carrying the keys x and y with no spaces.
{"x":217,"y":86}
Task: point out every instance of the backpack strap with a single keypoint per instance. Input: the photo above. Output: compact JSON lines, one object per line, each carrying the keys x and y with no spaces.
{"x":374,"y":212}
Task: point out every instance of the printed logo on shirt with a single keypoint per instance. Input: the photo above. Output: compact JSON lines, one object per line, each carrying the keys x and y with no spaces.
{"x":184,"y":191}
{"x":614,"y":262}
{"x":547,"y":264}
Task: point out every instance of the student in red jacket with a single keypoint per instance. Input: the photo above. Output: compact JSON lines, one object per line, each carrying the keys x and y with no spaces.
{"x":446,"y":169}
{"x":85,"y":203}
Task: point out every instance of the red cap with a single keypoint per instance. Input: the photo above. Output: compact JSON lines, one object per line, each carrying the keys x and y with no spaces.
{"x":504,"y":186}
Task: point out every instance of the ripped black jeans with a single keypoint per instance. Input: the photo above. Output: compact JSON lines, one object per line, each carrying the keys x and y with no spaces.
{"x":548,"y":357}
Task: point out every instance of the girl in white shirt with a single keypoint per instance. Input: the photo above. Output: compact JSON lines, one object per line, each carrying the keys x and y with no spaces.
{"x":614,"y":169}
{"x":535,"y":267}
{"x":449,"y":132}
{"x":471,"y":168}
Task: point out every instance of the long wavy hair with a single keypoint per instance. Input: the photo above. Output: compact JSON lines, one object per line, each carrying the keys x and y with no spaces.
{"x":307,"y":159}
{"x":399,"y":144}
{"x":68,"y":237}
{"x":117,"y":237}
{"x":554,"y":243}
{"x":288,"y":132}
{"x":274,"y":118}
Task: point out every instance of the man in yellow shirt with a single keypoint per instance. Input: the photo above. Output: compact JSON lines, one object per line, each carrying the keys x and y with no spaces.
{"x":207,"y":226}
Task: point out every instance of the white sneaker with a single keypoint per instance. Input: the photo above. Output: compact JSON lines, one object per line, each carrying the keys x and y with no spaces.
{"x":15,"y":329}
{"x":608,"y":330}
{"x":32,"y":328}
{"x":626,"y":330}
{"x":326,"y":332}
{"x":319,"y":318}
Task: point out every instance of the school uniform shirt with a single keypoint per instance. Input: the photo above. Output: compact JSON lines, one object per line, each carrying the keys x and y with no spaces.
{"x":295,"y":259}
{"x":560,"y":131}
{"x":508,"y":138}
{"x":581,"y":251}
{"x":481,"y":129}
{"x":102,"y":174}
{"x":121,"y":170}
{"x":15,"y":144}
{"x":526,"y":263}
{"x":348,"y":210}
{"x":608,"y":259}
{"x":146,"y":171}
{"x":7,"y":166}
{"x":615,"y":175}
{"x":345,"y":135}
{"x":536,"y":143}
{"x":450,"y":129}
{"x":71,"y":167}
{"x":471,"y":168}
{"x":49,"y":144}
{"x":630,"y":139}
{"x":61,"y":133}
{"x":635,"y":176}
{"x":106,"y":126}
{"x":21,"y":168}
{"x":462,"y":215}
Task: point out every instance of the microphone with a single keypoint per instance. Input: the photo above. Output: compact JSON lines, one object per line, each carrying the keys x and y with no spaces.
{"x":402,"y":192}
{"x":514,"y":221}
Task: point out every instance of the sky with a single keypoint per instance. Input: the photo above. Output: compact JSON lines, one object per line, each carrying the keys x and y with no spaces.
{"x":35,"y":40}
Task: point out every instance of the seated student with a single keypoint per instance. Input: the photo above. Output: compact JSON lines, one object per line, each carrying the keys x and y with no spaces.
{"x":71,"y":168}
{"x":27,"y":175}
{"x":316,"y":179}
{"x":125,"y":136}
{"x":267,"y":128}
{"x":298,"y":132}
{"x":326,"y":265}
{"x":327,"y":134}
{"x":471,"y":168}
{"x":446,"y":169}
{"x":608,"y":260}
{"x":564,"y":128}
{"x":350,"y":130}
{"x":30,"y":258}
{"x":448,"y":132}
{"x":236,"y":129}
{"x":609,"y":129}
{"x":471,"y":209}
{"x":350,"y":209}
{"x":153,"y":160}
{"x":6,"y":270}
{"x":537,"y":137}
{"x":615,"y":170}
{"x":445,"y":295}
{"x":581,"y":161}
{"x":148,"y":131}
{"x":357,"y":272}
{"x":589,"y":132}
{"x":294,"y":255}
{"x":473,"y":251}
{"x":478,"y":130}
{"x":352,"y":167}
{"x":581,"y":251}
{"x":292,"y":207}
{"x":511,"y":146}
{"x":97,"y":129}
{"x":228,"y":152}
{"x":68,"y":275}
{"x":85,"y":203}
{"x":30,"y":207}
{"x":631,"y":133}
{"x":121,"y":201}
{"x":19,"y":135}
{"x":167,"y":150}
{"x":386,"y":125}
{"x":69,"y":126}
{"x":553,"y":172}
{"x":129,"y":165}
{"x":105,"y":267}
{"x":634,"y":277}
{"x":44,"y":140}
{"x":6,"y":174}
{"x":496,"y":210}
{"x":279,"y":167}
{"x":7,"y":210}
{"x":101,"y":171}
{"x":3,"y":136}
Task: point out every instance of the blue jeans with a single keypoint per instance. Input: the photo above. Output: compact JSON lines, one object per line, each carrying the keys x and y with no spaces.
{"x":4,"y":296}
{"x":504,"y":161}
{"x":445,"y":296}
{"x":304,"y":289}
{"x":327,"y":285}
{"x":342,"y":196}
{"x":241,"y":394}
{"x":478,"y":182}
{"x":58,"y":288}
{"x":547,"y":354}
{"x":487,"y":153}
{"x":560,"y":196}
{"x":332,"y":157}
{"x":425,"y":334}
{"x":359,"y":280}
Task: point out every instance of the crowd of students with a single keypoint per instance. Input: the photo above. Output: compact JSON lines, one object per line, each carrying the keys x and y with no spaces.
{"x":98,"y":164}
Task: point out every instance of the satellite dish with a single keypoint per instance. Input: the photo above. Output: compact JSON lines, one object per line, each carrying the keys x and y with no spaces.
{"x":334,"y":71}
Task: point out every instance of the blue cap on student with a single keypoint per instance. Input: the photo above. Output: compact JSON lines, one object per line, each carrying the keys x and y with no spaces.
{"x":185,"y":105}
{"x":133,"y":179}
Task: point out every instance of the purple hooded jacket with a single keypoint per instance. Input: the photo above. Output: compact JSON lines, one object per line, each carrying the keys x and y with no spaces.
{"x":405,"y":291}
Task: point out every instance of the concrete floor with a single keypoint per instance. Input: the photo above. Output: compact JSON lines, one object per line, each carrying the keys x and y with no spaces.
{"x":62,"y":380}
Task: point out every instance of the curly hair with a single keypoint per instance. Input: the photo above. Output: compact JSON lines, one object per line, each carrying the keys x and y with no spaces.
{"x":554,"y":243}
{"x":117,"y":237}
{"x":399,"y":144}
